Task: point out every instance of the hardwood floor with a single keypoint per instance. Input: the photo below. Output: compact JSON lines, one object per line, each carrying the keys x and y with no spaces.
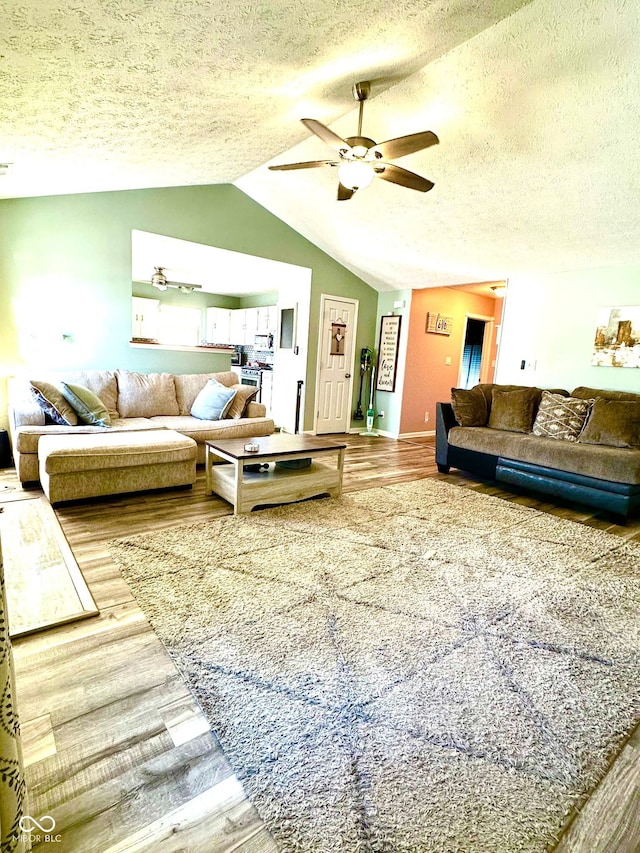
{"x":118,"y":752}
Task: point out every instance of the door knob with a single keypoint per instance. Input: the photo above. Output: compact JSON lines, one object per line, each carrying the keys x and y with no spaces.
{"x":347,"y":376}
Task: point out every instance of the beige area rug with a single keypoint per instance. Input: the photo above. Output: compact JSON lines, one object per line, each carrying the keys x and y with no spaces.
{"x":411,"y":668}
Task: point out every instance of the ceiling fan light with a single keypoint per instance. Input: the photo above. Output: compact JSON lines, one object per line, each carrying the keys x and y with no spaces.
{"x":355,"y":175}
{"x":159,"y":279}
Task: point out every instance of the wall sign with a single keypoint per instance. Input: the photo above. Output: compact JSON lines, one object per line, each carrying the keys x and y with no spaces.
{"x":439,"y":324}
{"x":388,"y":352}
{"x":338,"y":331}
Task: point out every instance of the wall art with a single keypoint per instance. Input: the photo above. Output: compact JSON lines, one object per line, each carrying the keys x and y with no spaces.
{"x":439,"y":324}
{"x":617,"y":341}
{"x":388,"y":352}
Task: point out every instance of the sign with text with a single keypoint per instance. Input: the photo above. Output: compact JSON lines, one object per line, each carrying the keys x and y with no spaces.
{"x":439,"y":324}
{"x":388,"y":352}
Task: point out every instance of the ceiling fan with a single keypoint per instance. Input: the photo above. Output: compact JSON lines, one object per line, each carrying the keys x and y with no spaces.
{"x":361,"y":159}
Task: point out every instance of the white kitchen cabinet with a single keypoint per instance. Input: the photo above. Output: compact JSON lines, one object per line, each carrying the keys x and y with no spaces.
{"x":244,"y":326}
{"x":237,"y":326}
{"x":145,"y":318}
{"x":246,"y":323}
{"x":219,"y":325}
{"x":267,"y":317}
{"x":251,"y":325}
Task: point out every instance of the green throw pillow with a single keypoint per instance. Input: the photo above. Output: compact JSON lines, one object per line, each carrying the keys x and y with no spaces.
{"x":89,"y":407}
{"x":213,"y":402}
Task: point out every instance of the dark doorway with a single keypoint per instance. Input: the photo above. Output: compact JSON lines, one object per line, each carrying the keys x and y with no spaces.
{"x":472,"y":353}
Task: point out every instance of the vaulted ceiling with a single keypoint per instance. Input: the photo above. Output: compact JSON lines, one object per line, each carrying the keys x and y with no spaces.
{"x":536,"y":105}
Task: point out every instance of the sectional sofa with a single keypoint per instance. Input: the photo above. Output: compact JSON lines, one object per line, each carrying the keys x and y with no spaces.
{"x":131,"y":453}
{"x":586,"y":449}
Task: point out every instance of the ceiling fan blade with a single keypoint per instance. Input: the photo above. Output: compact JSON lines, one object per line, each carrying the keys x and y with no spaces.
{"x":398,"y":175}
{"x":311,"y":164}
{"x":326,"y":134}
{"x":404,"y":145}
{"x":344,"y":193}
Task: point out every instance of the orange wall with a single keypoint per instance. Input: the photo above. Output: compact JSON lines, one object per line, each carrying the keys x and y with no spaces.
{"x":428,"y":379}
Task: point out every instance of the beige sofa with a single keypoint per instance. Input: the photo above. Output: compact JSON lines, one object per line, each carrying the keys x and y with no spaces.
{"x":136,"y":402}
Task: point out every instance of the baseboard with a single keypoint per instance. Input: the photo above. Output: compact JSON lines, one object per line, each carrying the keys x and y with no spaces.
{"x":423,"y":434}
{"x":385,"y":433}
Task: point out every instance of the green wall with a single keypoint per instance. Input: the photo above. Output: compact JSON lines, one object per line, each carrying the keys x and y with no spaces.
{"x":65,"y":269}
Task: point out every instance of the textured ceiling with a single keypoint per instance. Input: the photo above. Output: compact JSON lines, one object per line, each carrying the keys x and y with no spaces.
{"x":536,"y":106}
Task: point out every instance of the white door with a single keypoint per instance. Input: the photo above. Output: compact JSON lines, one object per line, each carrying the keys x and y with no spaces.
{"x":334,"y":384}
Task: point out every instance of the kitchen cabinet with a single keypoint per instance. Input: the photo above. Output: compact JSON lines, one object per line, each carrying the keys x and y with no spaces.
{"x":237,"y":326}
{"x":267,"y":318}
{"x":246,"y":323}
{"x":251,"y":325}
{"x":219,"y":326}
{"x":145,"y":318}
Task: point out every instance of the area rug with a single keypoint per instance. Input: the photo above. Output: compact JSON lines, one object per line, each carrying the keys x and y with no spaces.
{"x":410,"y":669}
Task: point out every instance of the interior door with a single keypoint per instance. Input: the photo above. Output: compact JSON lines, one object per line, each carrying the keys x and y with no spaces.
{"x":334,"y":384}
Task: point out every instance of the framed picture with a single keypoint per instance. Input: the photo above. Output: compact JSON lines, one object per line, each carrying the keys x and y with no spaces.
{"x":388,"y":352}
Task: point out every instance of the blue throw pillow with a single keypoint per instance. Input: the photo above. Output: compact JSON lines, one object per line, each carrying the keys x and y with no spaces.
{"x":213,"y":402}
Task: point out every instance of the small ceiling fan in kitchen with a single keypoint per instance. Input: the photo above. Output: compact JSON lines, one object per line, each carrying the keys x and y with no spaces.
{"x":360,"y":159}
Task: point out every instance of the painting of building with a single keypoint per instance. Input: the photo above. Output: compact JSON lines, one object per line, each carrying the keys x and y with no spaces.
{"x":617,"y":341}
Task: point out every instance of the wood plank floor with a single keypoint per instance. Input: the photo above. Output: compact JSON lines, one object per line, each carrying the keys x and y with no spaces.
{"x":117,"y":750}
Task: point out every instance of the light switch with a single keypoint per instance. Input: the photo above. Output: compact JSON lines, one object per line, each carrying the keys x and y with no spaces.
{"x":447,"y":360}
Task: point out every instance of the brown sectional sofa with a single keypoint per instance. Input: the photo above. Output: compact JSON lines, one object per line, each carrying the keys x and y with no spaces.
{"x":600,"y":475}
{"x":136,"y":402}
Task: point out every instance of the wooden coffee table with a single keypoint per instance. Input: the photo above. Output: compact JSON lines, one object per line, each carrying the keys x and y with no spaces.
{"x":247,"y":489}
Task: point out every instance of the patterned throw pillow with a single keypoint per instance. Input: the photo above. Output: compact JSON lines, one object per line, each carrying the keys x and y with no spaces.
{"x":53,"y":404}
{"x":561,"y":417}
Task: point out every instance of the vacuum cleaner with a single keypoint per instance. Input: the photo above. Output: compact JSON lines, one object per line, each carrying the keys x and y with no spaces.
{"x":366,"y":356}
{"x":370,"y":410}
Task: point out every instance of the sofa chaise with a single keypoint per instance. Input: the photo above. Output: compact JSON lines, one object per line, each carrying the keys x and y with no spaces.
{"x":152,"y":440}
{"x":499,"y":432}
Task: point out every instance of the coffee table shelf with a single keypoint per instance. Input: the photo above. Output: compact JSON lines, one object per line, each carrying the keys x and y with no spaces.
{"x":246,"y":489}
